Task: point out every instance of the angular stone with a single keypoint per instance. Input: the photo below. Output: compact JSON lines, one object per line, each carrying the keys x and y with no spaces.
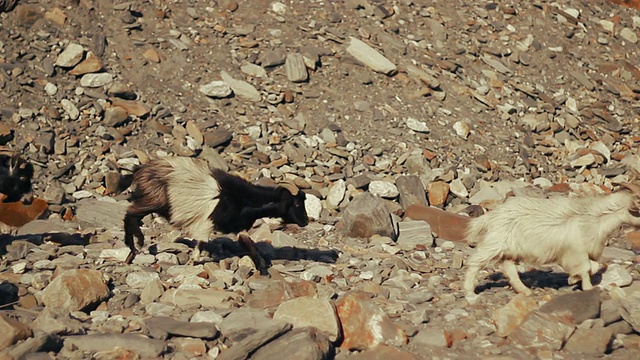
{"x":366,"y":215}
{"x":615,"y":276}
{"x":417,"y":126}
{"x":216,"y":89}
{"x":510,"y":316}
{"x":151,"y":55}
{"x":194,"y":347}
{"x":303,"y":343}
{"x":629,"y":35}
{"x":133,"y":107}
{"x":71,"y":55}
{"x":244,"y":322}
{"x":115,"y":116}
{"x":541,"y":331}
{"x":102,"y":213}
{"x":411,"y":191}
{"x":437,"y":192}
{"x":243,"y":348}
{"x":12,"y":331}
{"x":56,"y":321}
{"x":446,"y":225}
{"x":75,"y":290}
{"x":313,"y":205}
{"x":96,"y":80}
{"x":119,"y":254}
{"x":90,"y":64}
{"x":582,"y":305}
{"x":296,"y":68}
{"x":305,"y":311}
{"x":630,"y":311}
{"x":593,"y":341}
{"x":241,"y":88}
{"x":201,"y":330}
{"x":143,"y":346}
{"x":70,"y":108}
{"x":365,"y":325}
{"x":414,"y":233}
{"x":208,"y":298}
{"x":336,"y":194}
{"x":370,"y":57}
{"x":384,"y":189}
{"x":139,"y":279}
{"x":432,"y":337}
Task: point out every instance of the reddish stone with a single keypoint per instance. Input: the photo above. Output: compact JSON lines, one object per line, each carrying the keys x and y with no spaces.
{"x":447,"y":225}
{"x":562,"y":188}
{"x":633,"y":239}
{"x":365,"y":325}
{"x":509,"y":317}
{"x":301,"y":288}
{"x":194,"y":346}
{"x":437,"y":192}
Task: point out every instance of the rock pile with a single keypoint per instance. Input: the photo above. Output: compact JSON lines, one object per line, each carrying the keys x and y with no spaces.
{"x":398,"y":118}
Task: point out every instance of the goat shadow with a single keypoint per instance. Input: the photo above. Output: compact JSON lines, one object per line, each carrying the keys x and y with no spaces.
{"x":537,"y":279}
{"x":61,"y":238}
{"x":224,"y":247}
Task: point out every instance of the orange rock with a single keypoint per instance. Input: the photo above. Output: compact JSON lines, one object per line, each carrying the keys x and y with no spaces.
{"x":17,"y":214}
{"x":437,"y":192}
{"x":448,"y":226}
{"x":132,"y":107}
{"x":56,"y":15}
{"x":151,"y":55}
{"x":365,"y":325}
{"x":509,"y":317}
{"x":90,"y":64}
{"x":633,"y":239}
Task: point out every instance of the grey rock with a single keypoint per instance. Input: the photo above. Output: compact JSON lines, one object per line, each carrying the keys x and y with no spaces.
{"x":100,"y":214}
{"x":411,"y":191}
{"x":201,"y":330}
{"x":241,"y":88}
{"x":542,"y":331}
{"x":295,"y":68}
{"x":582,"y":305}
{"x":242,"y":349}
{"x":370,"y":57}
{"x":412,"y":233}
{"x":71,"y":56}
{"x":138,"y":344}
{"x":304,"y":343}
{"x":96,"y":80}
{"x":365,"y":216}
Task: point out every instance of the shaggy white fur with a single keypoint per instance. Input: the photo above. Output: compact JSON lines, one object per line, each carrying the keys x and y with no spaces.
{"x":570,"y":232}
{"x":193,"y":196}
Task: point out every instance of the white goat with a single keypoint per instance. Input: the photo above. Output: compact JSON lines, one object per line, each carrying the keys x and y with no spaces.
{"x":568,"y":231}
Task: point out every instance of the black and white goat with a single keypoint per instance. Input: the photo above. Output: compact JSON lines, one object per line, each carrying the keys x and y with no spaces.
{"x":16,"y":174}
{"x":198,"y":200}
{"x":568,"y":231}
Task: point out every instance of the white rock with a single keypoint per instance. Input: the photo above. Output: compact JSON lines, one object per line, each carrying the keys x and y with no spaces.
{"x":119,"y":254}
{"x":383,"y":189}
{"x":71,"y":110}
{"x":571,"y":104}
{"x":19,"y":268}
{"x":216,"y":89}
{"x":241,"y":88}
{"x":313,"y":205}
{"x":279,"y":8}
{"x":370,"y":56}
{"x":462,"y":129}
{"x":336,"y":194}
{"x":71,"y":55}
{"x":629,"y":35}
{"x":207,"y":316}
{"x":607,"y":25}
{"x":458,"y":189}
{"x":253,"y":69}
{"x":82,"y":194}
{"x":600,"y":147}
{"x":615,"y":275}
{"x":50,"y":89}
{"x":417,"y":126}
{"x":542,"y":183}
{"x":584,"y":160}
{"x":139,"y":279}
{"x":96,"y":80}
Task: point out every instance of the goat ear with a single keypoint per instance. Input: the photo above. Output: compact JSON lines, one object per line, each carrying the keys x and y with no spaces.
{"x":291,"y":187}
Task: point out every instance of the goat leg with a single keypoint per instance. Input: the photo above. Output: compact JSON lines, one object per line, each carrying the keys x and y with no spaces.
{"x":510,"y":270}
{"x":250,"y":246}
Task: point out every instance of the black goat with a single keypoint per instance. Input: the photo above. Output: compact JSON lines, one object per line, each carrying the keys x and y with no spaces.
{"x":198,"y":200}
{"x":15,"y":179}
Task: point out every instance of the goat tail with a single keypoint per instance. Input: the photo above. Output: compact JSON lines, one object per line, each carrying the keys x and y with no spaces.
{"x":476,"y":229}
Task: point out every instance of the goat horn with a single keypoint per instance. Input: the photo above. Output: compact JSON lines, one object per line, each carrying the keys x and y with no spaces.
{"x":633,"y":187}
{"x":291,"y":187}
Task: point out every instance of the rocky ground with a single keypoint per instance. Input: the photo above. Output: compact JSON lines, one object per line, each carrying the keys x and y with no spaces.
{"x":369,"y":106}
